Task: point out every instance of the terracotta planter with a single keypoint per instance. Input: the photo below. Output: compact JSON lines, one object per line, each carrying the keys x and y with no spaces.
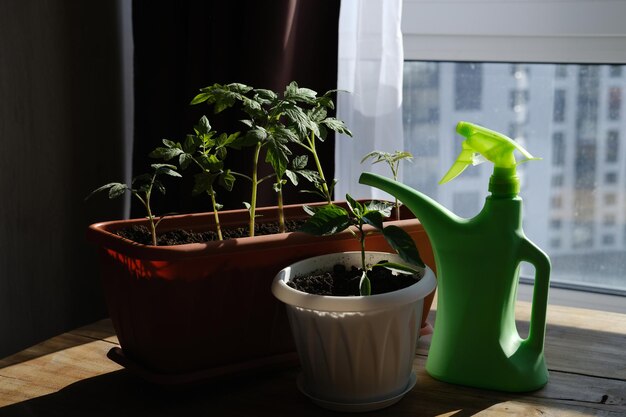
{"x":197,"y":311}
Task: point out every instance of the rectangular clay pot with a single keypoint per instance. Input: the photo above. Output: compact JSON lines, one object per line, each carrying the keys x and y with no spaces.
{"x":198,"y":311}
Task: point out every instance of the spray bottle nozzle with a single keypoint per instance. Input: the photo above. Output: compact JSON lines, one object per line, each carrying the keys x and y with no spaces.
{"x":483,"y":144}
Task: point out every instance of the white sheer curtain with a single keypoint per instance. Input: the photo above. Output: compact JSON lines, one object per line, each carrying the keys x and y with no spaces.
{"x":370,"y":70}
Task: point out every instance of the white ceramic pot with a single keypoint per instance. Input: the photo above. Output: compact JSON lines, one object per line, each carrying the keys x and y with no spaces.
{"x":356,"y":353}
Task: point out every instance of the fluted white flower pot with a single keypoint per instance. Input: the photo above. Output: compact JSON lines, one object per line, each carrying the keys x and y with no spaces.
{"x":356,"y":353}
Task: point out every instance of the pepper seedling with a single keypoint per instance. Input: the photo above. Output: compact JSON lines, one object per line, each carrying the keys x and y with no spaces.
{"x":141,"y":187}
{"x":393,"y":162}
{"x":332,"y":219}
{"x":207,"y":151}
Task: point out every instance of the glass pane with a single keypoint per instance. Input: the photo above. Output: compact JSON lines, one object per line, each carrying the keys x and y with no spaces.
{"x":570,"y":115}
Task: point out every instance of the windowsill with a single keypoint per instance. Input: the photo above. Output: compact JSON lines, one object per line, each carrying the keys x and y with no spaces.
{"x":576,"y":298}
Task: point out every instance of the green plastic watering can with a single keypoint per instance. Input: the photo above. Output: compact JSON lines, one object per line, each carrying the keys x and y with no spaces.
{"x":476,"y":342}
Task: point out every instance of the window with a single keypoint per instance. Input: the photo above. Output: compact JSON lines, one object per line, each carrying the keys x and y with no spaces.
{"x":615,"y":103}
{"x":608,"y":240}
{"x":615,"y":71}
{"x":609,"y":220}
{"x":610,"y":178}
{"x":559,"y":106}
{"x":610,"y":199}
{"x":612,"y":146}
{"x":561,"y":71}
{"x":558,"y":149}
{"x":555,"y":224}
{"x":468,"y":82}
{"x":571,"y":155}
{"x":571,"y":68}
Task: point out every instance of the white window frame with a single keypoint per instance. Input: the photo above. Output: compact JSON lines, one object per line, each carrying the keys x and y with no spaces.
{"x":565,"y":31}
{"x":533,"y":31}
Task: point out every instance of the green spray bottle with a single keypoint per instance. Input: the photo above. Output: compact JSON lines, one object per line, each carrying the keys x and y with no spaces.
{"x":476,"y":342}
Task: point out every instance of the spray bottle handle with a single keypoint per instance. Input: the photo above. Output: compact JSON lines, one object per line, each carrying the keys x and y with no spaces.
{"x":535,"y":256}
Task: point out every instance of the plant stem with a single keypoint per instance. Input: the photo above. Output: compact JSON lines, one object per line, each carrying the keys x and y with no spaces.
{"x":362,"y":239}
{"x":146,"y":204}
{"x":319,"y":168}
{"x":281,"y":214}
{"x":255,"y":184}
{"x":397,"y":207}
{"x":218,"y":227}
{"x":394,"y":172}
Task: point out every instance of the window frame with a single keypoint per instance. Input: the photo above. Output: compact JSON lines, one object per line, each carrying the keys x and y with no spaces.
{"x":543,"y":31}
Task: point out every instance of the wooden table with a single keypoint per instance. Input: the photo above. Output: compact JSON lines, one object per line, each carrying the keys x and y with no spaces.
{"x":70,"y":375}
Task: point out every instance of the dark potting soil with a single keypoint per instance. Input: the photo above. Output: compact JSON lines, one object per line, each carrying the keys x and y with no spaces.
{"x":141,"y":234}
{"x":344,"y":282}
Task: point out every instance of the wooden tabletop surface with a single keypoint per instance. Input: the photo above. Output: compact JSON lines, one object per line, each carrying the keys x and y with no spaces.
{"x":70,"y":375}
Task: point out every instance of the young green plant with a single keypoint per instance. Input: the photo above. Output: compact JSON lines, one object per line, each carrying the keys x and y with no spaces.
{"x":331,"y":219}
{"x":393,"y":162}
{"x":273,"y":123}
{"x":309,"y":118}
{"x":141,"y":187}
{"x":207,"y":151}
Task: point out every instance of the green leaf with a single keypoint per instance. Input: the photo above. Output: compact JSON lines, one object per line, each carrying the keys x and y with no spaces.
{"x":373,"y":218}
{"x":203,"y":127}
{"x":103,"y":188}
{"x":317,"y":114}
{"x":191,"y":143}
{"x":327,"y":220}
{"x":171,"y":144}
{"x":326,"y":101}
{"x":383,"y":207}
{"x":116,"y":190}
{"x":299,"y":162}
{"x":224,"y":140}
{"x":285,"y":134}
{"x":336,"y":125}
{"x":403,"y":244}
{"x":211,"y":163}
{"x":251,"y":105}
{"x":355,"y":207}
{"x":310,"y":175}
{"x":227,"y":180}
{"x":159,"y":187}
{"x":365,"y":286}
{"x":292,"y":177}
{"x":266,"y":96}
{"x":203,"y":183}
{"x":257,"y":135}
{"x":165,"y":153}
{"x":166,"y":169}
{"x":293,"y":92}
{"x":184,"y":160}
{"x":221,"y":153}
{"x":399,"y":268}
{"x":200,"y":98}
{"x":277,"y":158}
{"x":247,"y":122}
{"x":299,"y":119}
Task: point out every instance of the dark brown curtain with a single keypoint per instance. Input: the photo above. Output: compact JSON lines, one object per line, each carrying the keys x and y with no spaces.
{"x":181,"y":46}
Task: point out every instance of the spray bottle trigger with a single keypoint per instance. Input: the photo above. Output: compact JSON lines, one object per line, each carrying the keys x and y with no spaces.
{"x":465,"y":158}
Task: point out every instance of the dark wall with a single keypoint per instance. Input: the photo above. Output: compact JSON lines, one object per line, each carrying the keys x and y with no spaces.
{"x":62,"y":126}
{"x":60,"y":137}
{"x":181,"y":46}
